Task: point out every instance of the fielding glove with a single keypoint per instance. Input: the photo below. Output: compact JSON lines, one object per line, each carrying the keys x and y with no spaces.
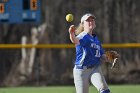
{"x":112,"y":57}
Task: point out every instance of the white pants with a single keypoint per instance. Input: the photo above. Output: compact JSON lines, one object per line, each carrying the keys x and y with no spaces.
{"x":83,"y":77}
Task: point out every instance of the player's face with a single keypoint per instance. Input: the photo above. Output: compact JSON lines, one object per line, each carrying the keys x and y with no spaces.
{"x":89,"y":24}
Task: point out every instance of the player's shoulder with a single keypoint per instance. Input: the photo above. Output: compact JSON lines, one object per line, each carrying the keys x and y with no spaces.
{"x":81,"y":35}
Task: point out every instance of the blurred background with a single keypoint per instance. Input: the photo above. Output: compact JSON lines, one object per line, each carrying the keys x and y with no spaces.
{"x":118,"y":21}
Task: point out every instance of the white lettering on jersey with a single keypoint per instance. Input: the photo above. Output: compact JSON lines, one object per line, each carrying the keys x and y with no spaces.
{"x":97,"y":47}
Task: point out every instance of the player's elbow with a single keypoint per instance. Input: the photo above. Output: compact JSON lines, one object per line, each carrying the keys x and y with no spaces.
{"x":75,"y":41}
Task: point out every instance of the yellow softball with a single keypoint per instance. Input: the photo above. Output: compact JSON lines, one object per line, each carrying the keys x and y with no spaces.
{"x":69,"y":17}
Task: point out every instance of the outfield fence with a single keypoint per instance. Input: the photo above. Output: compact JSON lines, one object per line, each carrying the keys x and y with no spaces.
{"x":115,"y":45}
{"x":49,"y":56}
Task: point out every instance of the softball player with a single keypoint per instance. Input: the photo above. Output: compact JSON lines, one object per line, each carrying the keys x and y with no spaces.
{"x":88,"y":56}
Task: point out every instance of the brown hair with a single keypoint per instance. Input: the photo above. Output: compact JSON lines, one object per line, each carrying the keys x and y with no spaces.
{"x":79,"y":29}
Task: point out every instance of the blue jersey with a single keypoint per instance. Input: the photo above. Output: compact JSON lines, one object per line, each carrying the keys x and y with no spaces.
{"x":89,"y":51}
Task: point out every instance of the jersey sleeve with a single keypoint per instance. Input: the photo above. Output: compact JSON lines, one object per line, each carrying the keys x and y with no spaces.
{"x":82,"y":38}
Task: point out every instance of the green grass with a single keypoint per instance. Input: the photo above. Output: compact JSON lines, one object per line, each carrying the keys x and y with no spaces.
{"x":69,"y":89}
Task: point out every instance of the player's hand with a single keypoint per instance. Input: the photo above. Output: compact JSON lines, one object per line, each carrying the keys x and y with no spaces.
{"x":72,"y":29}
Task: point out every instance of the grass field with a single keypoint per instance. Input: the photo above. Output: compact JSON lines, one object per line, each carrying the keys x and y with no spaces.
{"x":69,"y":89}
